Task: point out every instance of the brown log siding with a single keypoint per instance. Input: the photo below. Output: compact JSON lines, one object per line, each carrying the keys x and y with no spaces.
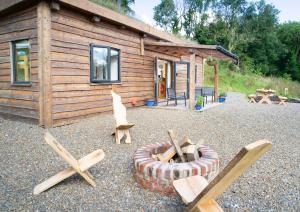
{"x":74,"y":97}
{"x":19,"y":100}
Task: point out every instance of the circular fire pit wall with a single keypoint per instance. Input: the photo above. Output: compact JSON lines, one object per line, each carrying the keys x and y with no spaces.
{"x":157,"y":176}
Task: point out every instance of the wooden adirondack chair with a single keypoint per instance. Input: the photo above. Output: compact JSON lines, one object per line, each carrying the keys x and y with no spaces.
{"x":200,"y":195}
{"x":122,"y":125}
{"x":77,"y":166}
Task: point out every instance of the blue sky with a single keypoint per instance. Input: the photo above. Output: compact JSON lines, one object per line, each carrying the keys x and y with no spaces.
{"x":289,"y":9}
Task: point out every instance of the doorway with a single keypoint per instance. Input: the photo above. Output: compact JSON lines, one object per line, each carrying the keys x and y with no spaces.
{"x":170,"y":74}
{"x":165,"y":78}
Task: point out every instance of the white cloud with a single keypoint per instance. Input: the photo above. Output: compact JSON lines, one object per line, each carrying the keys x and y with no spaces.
{"x":147,"y":20}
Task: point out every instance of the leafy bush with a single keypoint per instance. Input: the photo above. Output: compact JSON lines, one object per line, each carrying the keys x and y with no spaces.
{"x":233,"y":67}
{"x":223,"y":94}
{"x":199,"y":101}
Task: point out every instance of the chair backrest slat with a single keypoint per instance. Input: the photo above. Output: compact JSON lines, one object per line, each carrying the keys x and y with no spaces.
{"x":236,"y":167}
{"x":60,"y":150}
{"x":119,"y":109}
{"x":171,"y":93}
{"x":198,"y":92}
{"x":208,"y":91}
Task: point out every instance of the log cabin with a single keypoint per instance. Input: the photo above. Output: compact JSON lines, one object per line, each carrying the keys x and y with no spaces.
{"x":60,"y":59}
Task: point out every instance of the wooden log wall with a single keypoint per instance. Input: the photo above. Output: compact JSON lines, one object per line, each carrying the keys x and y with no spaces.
{"x":199,"y":81}
{"x":74,"y":97}
{"x":181,"y":78}
{"x":200,"y":69}
{"x":19,"y":100}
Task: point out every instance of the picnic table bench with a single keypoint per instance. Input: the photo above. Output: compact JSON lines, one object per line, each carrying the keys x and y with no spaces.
{"x":265,"y":94}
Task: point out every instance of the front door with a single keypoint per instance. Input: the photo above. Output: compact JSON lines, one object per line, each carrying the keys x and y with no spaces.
{"x":182,"y":77}
{"x":164,"y":78}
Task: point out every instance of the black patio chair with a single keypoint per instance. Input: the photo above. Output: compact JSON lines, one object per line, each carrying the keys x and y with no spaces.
{"x":172,"y":95}
{"x":205,"y":92}
{"x":208,"y":91}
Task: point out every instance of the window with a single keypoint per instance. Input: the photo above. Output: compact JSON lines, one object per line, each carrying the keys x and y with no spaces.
{"x":21,"y":59}
{"x":105,"y":64}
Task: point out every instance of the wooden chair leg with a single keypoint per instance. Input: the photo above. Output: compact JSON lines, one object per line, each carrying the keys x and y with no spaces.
{"x":86,"y":176}
{"x":120,"y":136}
{"x":89,"y":174}
{"x":54,"y":180}
{"x":128,"y":137}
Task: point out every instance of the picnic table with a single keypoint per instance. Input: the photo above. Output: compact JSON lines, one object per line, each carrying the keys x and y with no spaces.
{"x":265,"y":94}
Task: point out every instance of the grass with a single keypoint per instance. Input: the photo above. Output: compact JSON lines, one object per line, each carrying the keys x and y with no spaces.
{"x":248,"y":83}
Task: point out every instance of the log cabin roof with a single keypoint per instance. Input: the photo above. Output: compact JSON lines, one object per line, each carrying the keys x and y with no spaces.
{"x":181,"y":49}
{"x":167,"y":40}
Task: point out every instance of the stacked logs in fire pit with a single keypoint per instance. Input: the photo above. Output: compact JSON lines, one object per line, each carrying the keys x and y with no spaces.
{"x":186,"y":150}
{"x":157,"y":165}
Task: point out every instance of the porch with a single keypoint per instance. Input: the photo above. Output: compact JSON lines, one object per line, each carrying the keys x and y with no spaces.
{"x":181,"y":105}
{"x":183,"y":76}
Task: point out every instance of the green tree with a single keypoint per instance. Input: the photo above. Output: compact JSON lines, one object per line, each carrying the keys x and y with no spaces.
{"x":195,"y":16}
{"x":265,"y":47}
{"x":250,"y":29}
{"x":289,"y":35}
{"x":228,"y":15}
{"x":167,"y":17}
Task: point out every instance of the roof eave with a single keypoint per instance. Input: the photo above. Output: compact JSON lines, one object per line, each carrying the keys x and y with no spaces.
{"x":120,"y":19}
{"x":228,"y":53}
{"x":194,"y":46}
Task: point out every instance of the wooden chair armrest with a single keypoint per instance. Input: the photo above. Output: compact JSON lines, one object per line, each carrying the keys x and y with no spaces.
{"x":91,"y":159}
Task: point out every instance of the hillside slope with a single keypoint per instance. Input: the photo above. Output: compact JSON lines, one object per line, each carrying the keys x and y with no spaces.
{"x":248,"y":82}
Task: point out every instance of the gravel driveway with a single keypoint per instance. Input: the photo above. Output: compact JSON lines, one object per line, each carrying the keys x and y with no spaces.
{"x":272,"y":184}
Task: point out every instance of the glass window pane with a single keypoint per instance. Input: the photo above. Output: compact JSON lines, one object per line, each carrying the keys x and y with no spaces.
{"x":114,"y":65}
{"x":22,"y":66}
{"x":100,"y":63}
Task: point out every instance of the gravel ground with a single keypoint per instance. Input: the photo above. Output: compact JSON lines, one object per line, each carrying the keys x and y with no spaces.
{"x":272,"y":184}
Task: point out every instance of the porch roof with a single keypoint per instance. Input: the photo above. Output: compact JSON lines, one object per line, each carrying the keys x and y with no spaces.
{"x":180,"y":49}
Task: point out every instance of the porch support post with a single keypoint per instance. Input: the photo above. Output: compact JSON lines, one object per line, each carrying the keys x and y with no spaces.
{"x":142,"y":46}
{"x":44,"y":64}
{"x":192,"y":82}
{"x":216,"y":82}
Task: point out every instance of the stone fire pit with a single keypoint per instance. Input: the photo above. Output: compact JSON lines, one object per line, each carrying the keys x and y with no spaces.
{"x":157,"y":176}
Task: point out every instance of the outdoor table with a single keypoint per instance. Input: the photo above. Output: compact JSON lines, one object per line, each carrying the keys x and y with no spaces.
{"x":282,"y":100}
{"x":265,"y":94}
